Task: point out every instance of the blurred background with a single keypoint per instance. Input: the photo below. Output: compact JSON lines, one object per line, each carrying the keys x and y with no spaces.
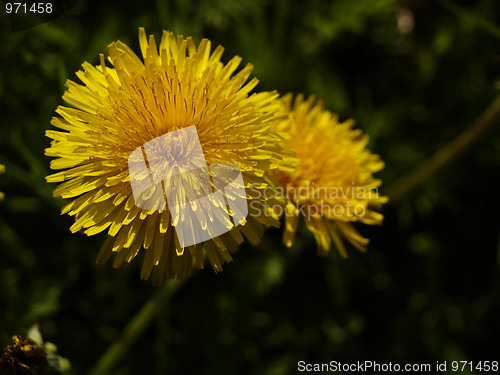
{"x":413,"y":74}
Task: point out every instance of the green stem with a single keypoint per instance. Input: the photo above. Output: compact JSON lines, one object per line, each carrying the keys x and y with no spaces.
{"x":133,"y":330}
{"x":446,"y":155}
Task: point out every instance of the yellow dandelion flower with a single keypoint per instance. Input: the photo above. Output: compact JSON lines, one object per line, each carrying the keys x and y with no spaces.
{"x":149,"y":146}
{"x":334,"y":184}
{"x":2,"y":170}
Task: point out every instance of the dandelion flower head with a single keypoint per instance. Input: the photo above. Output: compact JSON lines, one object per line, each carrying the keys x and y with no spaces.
{"x":333,"y":186}
{"x":118,"y":109}
{"x":23,"y":357}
